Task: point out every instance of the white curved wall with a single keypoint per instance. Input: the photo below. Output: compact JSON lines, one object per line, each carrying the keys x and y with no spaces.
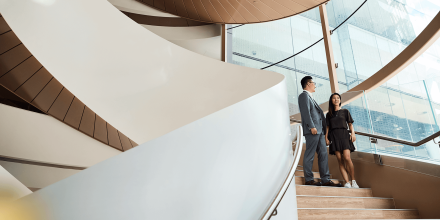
{"x":135,"y":80}
{"x":134,"y":6}
{"x":35,"y":176}
{"x":209,"y":47}
{"x":204,"y":40}
{"x":228,"y":165}
{"x":10,"y":188}
{"x":37,"y":137}
{"x":186,"y":33}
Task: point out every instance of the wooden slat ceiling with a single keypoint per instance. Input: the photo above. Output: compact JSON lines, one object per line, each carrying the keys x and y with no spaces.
{"x":233,"y":11}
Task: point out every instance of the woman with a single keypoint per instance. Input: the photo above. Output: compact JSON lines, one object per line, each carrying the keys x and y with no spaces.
{"x":339,"y":139}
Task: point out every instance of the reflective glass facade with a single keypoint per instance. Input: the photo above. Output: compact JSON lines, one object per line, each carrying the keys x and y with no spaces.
{"x":406,"y":107}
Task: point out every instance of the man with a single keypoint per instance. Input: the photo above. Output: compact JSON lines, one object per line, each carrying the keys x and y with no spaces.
{"x":313,"y":123}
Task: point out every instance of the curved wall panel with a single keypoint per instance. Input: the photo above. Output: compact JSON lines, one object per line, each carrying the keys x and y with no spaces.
{"x":136,"y":7}
{"x":140,"y":83}
{"x":224,"y":166}
{"x":10,"y":188}
{"x":36,"y":177}
{"x":40,"y":138}
{"x":22,"y":74}
{"x":210,"y":47}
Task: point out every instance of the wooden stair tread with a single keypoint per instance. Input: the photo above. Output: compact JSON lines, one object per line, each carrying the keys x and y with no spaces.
{"x":335,"y":213}
{"x":332,"y":191}
{"x":344,"y":202}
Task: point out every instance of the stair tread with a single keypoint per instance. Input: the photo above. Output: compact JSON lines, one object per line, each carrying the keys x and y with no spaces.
{"x":357,"y":197}
{"x":332,"y":187}
{"x":344,"y":202}
{"x":332,"y":191}
{"x":361,"y":209}
{"x":344,"y":213}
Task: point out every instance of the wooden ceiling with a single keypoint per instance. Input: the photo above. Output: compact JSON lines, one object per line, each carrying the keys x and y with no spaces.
{"x":233,"y":11}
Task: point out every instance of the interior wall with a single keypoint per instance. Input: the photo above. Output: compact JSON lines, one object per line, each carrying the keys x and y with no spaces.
{"x":210,"y":47}
{"x":186,"y":33}
{"x":224,"y":166}
{"x":134,"y":6}
{"x":36,"y":177}
{"x":37,"y":137}
{"x":10,"y":188}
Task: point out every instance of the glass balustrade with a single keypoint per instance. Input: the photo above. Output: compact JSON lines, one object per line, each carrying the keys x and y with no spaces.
{"x":407,"y":107}
{"x":408,"y":113}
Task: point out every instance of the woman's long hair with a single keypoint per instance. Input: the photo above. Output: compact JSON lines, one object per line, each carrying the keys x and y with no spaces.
{"x":331,"y":106}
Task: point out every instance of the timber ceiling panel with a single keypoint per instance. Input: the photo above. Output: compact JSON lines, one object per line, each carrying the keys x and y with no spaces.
{"x":163,"y":21}
{"x":113,"y":137}
{"x":48,"y":95}
{"x":100,"y":129}
{"x":33,"y":86}
{"x":75,"y":113}
{"x":61,"y":105}
{"x":25,"y":77}
{"x":126,"y":144}
{"x":17,"y":76}
{"x":233,"y":11}
{"x":13,"y":57}
{"x":87,"y":124}
{"x":8,"y":41}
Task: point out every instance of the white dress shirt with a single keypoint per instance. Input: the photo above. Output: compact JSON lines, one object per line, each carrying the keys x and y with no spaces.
{"x":310,"y":94}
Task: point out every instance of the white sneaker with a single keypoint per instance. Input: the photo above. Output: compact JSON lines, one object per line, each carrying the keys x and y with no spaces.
{"x":354,"y":184}
{"x":347,"y":185}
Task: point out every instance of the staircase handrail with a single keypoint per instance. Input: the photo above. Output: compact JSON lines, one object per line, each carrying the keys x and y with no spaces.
{"x":374,"y":137}
{"x":272,"y":210}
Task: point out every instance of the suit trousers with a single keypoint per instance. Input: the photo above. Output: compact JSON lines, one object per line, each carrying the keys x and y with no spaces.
{"x":316,"y":143}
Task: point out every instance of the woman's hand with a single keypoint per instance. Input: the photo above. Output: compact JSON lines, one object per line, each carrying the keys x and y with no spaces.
{"x":327,"y":141}
{"x":353,"y":137}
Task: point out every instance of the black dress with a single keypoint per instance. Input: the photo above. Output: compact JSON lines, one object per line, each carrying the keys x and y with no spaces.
{"x":338,"y":133}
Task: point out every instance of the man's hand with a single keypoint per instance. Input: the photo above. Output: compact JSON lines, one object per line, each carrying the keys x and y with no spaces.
{"x":314,"y":131}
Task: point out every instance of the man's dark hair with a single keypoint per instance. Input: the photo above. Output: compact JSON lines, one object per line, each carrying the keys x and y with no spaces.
{"x":305,"y":80}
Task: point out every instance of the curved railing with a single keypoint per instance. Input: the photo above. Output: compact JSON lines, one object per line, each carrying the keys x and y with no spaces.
{"x":272,"y":210}
{"x":374,"y":137}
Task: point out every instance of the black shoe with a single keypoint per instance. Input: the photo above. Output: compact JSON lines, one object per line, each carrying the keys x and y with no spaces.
{"x":331,"y":183}
{"x":312,"y":182}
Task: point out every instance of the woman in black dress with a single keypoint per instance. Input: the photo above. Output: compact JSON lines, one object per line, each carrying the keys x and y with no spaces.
{"x":339,"y":138}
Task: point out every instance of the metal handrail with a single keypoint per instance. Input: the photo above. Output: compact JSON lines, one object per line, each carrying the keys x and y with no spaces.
{"x":416,"y":144}
{"x":272,"y":210}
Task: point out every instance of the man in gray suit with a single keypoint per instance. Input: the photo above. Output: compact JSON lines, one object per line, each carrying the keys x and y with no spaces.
{"x":314,"y":125}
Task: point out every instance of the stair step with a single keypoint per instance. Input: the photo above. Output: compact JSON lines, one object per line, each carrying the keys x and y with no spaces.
{"x":300,"y":180}
{"x":332,"y":191}
{"x":301,"y":173}
{"x":357,"y":214}
{"x":330,"y":202}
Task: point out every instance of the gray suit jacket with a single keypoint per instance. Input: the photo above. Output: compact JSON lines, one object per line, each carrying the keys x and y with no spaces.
{"x":312,"y":115}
